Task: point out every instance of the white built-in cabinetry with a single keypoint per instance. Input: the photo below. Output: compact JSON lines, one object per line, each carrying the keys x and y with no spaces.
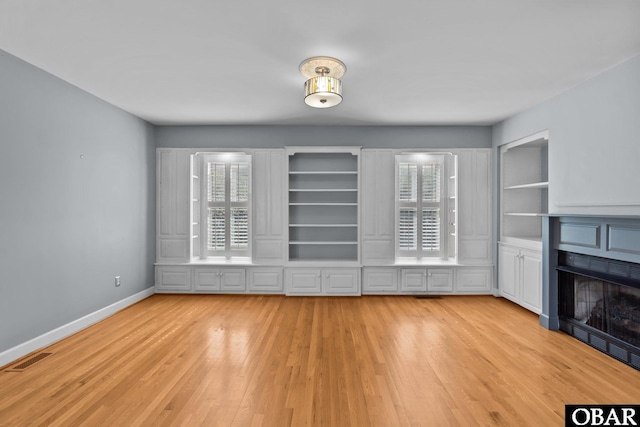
{"x":521,"y":276}
{"x":202,"y":278}
{"x":173,"y":200}
{"x":378,"y":206}
{"x":268,"y":170}
{"x":461,"y":280}
{"x":323,"y":204}
{"x":322,"y":281}
{"x":426,"y":279}
{"x":470,"y":185}
{"x":524,"y":185}
{"x":323,"y":223}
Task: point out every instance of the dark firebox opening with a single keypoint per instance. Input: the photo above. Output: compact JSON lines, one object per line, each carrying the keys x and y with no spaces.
{"x":611,"y":308}
{"x":599,"y":303}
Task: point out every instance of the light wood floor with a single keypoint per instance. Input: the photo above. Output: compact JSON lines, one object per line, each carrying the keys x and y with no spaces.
{"x":205,"y":360}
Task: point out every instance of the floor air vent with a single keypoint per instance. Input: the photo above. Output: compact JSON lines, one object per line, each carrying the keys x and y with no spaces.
{"x":24,"y":365}
{"x":428,"y":297}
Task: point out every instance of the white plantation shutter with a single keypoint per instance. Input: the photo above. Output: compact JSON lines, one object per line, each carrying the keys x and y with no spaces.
{"x":227,"y":210}
{"x":216,"y":236}
{"x":431,"y":229}
{"x":431,"y":191}
{"x":216,"y":181}
{"x":408,"y":230}
{"x":408,"y":183}
{"x":420,"y":203}
{"x":431,"y":177}
{"x":239,"y":228}
{"x":239,"y":191}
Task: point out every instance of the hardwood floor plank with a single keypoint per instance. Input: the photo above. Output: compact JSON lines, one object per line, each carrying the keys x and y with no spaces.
{"x":223,"y":360}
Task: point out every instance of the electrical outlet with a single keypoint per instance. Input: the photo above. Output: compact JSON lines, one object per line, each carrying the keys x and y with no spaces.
{"x":117,"y":281}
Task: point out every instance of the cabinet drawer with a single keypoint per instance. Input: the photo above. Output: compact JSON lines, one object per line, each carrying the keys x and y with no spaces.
{"x":267,"y":280}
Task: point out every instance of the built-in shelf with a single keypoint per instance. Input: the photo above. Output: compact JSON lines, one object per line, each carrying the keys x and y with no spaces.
{"x":323,"y":173}
{"x":524,"y":214}
{"x":312,"y":190}
{"x":524,"y":188}
{"x":525,"y":185}
{"x":323,"y":201}
{"x":323,"y":225}
{"x":323,"y":204}
{"x":532,"y":185}
{"x":322,"y":243}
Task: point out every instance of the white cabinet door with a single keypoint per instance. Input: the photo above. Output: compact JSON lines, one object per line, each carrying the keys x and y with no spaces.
{"x":413,"y":280}
{"x":300,"y":281}
{"x":206,"y":280}
{"x":531,"y":274}
{"x":475,"y":181}
{"x":509,"y":272}
{"x":232,"y":280}
{"x":378,"y":203}
{"x":268,"y":174}
{"x":380,"y":281}
{"x":328,"y":281}
{"x":341,"y":281}
{"x":520,"y":274}
{"x":265,"y":280}
{"x":476,"y":280}
{"x":172,"y":216}
{"x":173,"y":279}
{"x":440,"y":280}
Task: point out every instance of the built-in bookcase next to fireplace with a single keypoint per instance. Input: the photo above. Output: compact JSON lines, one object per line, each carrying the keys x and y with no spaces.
{"x":524,"y":184}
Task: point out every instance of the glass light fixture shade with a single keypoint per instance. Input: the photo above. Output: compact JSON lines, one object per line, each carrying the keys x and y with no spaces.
{"x":323,"y":92}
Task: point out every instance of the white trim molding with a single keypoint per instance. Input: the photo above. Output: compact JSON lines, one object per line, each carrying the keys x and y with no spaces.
{"x":55,"y":335}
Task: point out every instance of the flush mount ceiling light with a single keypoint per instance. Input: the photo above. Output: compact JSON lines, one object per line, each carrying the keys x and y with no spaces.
{"x":323,"y":89}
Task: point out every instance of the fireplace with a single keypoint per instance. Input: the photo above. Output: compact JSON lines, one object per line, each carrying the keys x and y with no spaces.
{"x":599,"y":303}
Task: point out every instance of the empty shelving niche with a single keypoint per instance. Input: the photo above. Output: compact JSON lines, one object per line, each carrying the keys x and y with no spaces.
{"x":323,"y":203}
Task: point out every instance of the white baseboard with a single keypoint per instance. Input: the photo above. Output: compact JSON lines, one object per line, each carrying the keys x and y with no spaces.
{"x":48,"y":338}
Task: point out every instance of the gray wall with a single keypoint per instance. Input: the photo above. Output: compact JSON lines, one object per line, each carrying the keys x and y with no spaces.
{"x":69,"y":224}
{"x":594,"y":148}
{"x":365,"y":136}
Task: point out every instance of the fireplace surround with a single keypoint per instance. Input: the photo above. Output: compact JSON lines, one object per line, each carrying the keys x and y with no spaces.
{"x":591,"y":286}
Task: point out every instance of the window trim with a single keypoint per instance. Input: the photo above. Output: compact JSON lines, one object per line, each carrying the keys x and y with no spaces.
{"x":226,"y":158}
{"x":420,"y":159}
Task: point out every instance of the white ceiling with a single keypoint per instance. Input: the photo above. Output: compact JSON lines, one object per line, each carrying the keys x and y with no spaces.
{"x":409,"y":62}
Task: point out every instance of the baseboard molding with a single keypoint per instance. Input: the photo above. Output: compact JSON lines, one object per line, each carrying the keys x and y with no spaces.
{"x":551,"y":323}
{"x":48,"y":338}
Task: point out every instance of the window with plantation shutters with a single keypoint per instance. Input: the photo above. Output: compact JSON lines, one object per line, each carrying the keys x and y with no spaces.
{"x":226,"y":205}
{"x":422,"y":205}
